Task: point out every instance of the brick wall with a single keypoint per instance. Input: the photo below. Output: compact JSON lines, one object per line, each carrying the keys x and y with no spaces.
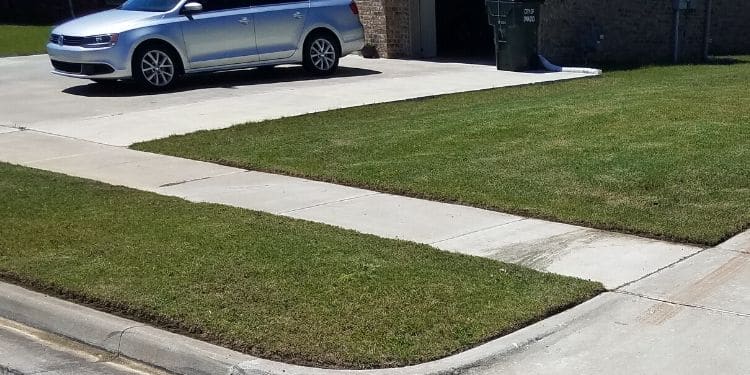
{"x":635,"y":31}
{"x":373,"y":16}
{"x":398,"y":15}
{"x":730,"y":29}
{"x":387,"y":26}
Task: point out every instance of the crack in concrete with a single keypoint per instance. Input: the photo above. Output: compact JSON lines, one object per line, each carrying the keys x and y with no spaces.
{"x":689,"y":305}
{"x":122,"y":333}
{"x":171,"y":184}
{"x":98,"y":117}
{"x":5,"y":370}
{"x":17,"y":126}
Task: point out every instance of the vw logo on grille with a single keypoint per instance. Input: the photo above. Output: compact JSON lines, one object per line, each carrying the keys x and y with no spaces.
{"x":61,"y":40}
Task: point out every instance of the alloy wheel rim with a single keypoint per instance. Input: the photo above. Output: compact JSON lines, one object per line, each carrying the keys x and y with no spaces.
{"x":323,"y":54}
{"x":157,"y":68}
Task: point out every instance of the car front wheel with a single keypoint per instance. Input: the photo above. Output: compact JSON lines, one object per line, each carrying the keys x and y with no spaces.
{"x":154,"y":68}
{"x":321,"y":54}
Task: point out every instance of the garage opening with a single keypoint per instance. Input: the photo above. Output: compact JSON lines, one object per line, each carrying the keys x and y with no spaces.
{"x":462,"y":30}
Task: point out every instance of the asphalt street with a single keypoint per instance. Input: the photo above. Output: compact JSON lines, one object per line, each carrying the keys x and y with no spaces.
{"x":27,"y":351}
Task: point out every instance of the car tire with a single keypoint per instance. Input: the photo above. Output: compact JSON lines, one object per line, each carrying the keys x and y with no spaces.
{"x":321,"y":54}
{"x":155,"y":67}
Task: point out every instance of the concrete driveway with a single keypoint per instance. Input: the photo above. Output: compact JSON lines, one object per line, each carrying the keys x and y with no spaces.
{"x":122,"y":115}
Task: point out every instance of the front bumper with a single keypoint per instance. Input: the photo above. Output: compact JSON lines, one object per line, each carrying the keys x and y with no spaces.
{"x":94,"y":63}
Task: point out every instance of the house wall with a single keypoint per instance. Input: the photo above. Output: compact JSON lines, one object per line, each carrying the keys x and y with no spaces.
{"x":635,"y":31}
{"x":373,"y":16}
{"x":388,"y":26}
{"x":730,"y":27}
{"x":398,"y":14}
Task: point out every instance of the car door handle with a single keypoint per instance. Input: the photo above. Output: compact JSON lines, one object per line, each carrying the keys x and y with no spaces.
{"x":297,"y":15}
{"x":244,"y":21}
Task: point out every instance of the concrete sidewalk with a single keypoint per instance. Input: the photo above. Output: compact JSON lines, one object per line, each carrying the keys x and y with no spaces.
{"x":611,"y":258}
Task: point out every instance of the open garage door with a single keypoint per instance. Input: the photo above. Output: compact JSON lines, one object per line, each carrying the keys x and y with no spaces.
{"x":462,"y":30}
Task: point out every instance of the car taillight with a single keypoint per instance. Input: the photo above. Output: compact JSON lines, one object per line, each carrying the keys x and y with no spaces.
{"x":354,"y":7}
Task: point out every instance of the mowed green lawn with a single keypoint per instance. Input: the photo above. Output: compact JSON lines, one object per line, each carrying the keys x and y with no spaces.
{"x":659,"y":151}
{"x":267,"y":285}
{"x":18,"y":40}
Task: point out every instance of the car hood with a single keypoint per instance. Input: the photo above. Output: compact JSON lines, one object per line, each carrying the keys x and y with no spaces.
{"x":110,"y":21}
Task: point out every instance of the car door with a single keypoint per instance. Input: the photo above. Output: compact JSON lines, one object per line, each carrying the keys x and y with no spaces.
{"x":222,"y":34}
{"x":278,"y":26}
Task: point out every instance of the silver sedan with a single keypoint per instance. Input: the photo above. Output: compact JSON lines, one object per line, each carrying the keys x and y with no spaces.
{"x":156,"y":41}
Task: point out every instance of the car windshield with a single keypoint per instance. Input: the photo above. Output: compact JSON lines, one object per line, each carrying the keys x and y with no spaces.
{"x":149,"y":5}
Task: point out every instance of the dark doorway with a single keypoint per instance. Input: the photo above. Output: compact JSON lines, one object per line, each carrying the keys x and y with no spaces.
{"x":463,"y":30}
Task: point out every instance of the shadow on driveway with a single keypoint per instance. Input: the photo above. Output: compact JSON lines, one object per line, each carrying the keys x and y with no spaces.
{"x":229,"y":80}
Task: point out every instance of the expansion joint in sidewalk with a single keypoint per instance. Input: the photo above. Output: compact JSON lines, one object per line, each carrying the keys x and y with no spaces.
{"x":69,"y":137}
{"x":32,"y":162}
{"x":734,"y":250}
{"x":689,"y":305}
{"x":329,"y":202}
{"x":623,"y":286}
{"x":495,"y":226}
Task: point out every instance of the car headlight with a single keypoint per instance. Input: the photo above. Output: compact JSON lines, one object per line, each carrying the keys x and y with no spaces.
{"x":99,"y":41}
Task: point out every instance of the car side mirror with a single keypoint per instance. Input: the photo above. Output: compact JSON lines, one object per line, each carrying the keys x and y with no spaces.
{"x":192,"y":7}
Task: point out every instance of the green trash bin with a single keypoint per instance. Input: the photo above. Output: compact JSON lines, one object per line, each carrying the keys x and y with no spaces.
{"x":516,"y":24}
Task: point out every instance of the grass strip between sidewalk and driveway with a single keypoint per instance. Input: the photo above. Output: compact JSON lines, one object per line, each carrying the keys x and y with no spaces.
{"x":19,"y":40}
{"x":658,"y":151}
{"x":266,"y":285}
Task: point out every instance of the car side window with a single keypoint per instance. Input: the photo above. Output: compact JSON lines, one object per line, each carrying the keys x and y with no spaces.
{"x":214,"y":5}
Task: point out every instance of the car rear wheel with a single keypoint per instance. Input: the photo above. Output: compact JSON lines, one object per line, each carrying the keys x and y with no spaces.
{"x":155,"y":68}
{"x":321,"y":54}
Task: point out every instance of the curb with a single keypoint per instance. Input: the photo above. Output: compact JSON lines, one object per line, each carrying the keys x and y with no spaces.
{"x":184,"y":355}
